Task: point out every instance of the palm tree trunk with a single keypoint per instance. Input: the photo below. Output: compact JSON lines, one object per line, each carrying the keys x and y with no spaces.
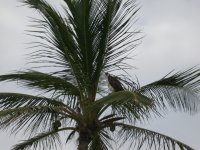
{"x":83,"y":141}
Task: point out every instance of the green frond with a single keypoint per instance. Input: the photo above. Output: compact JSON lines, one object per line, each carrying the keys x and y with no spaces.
{"x":17,"y":100}
{"x":33,"y":119}
{"x":46,"y":140}
{"x":86,"y":39}
{"x":100,"y":141}
{"x":43,"y":81}
{"x":14,"y":100}
{"x":64,"y":50}
{"x":109,"y":121}
{"x":131,"y":105}
{"x":97,"y":144}
{"x":27,"y":119}
{"x":179,"y":91}
{"x":106,"y":117}
{"x":143,"y":138}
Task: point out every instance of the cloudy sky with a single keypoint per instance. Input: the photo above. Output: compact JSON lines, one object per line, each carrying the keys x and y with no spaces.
{"x":172,"y":34}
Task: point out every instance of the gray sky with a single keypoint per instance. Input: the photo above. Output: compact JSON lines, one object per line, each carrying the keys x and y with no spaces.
{"x":172,"y":34}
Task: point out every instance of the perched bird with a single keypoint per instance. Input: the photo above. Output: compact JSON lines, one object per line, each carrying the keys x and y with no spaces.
{"x":114,"y":83}
{"x":56,"y":124}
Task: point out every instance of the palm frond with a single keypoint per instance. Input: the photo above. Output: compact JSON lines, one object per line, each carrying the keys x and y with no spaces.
{"x":143,"y":138}
{"x":179,"y":91}
{"x":27,"y":119}
{"x":46,"y":82}
{"x":64,"y":50}
{"x":100,"y":141}
{"x":97,"y":144}
{"x":122,"y":40}
{"x":14,"y":100}
{"x":100,"y":23}
{"x":47,"y":140}
{"x":131,"y":105}
{"x":33,"y":119}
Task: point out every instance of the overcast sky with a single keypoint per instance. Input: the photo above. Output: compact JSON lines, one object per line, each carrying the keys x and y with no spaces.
{"x":172,"y":34}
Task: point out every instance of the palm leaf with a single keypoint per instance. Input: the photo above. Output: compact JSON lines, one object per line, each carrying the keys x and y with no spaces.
{"x":31,"y":112}
{"x":100,"y":141}
{"x":178,"y":91}
{"x":97,"y":144}
{"x":99,"y":24}
{"x":33,"y":119}
{"x":47,"y":140}
{"x":46,"y":82}
{"x":17,"y":100}
{"x":141,"y":138}
{"x":131,"y":105}
{"x":59,"y":34}
{"x":14,"y":100}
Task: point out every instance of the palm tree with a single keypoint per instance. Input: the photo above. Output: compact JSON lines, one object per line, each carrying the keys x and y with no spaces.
{"x":82,"y":42}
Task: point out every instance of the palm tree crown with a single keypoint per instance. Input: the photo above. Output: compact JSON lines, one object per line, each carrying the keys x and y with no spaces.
{"x":81,"y":42}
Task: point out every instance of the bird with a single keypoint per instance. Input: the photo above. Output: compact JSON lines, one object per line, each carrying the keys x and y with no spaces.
{"x":114,"y":83}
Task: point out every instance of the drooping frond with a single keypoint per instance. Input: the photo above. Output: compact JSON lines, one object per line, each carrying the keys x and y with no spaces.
{"x":46,"y":140}
{"x":97,"y":144}
{"x":131,"y":105}
{"x":43,"y":81}
{"x":32,"y":119}
{"x":100,"y":141}
{"x":27,"y":119}
{"x":14,"y":100}
{"x":179,"y":91}
{"x":143,"y":138}
{"x":32,"y":113}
